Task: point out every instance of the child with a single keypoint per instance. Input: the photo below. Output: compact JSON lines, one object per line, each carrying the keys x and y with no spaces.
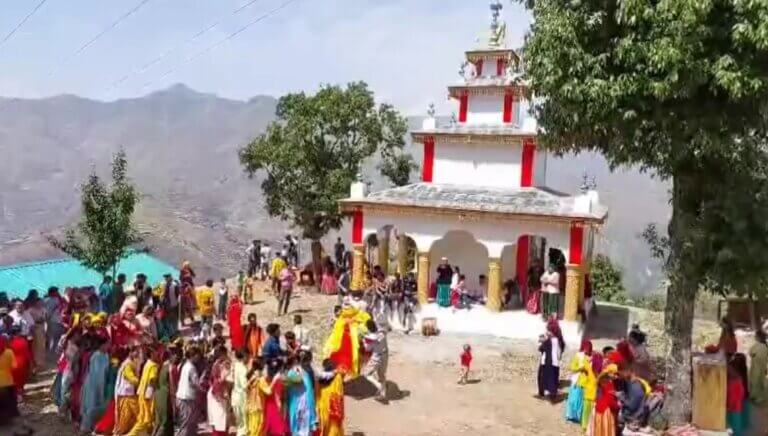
{"x":301,"y":332}
{"x":734,"y":403}
{"x":292,"y":346}
{"x":223,"y":299}
{"x":466,"y":360}
{"x":218,"y":336}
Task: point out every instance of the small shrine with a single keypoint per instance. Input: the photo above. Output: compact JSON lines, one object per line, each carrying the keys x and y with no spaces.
{"x":482,"y":201}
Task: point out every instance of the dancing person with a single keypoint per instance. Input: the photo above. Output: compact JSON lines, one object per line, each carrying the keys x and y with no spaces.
{"x":606,"y":405}
{"x":375,"y":342}
{"x":146,"y":393}
{"x":254,"y":336}
{"x":9,"y":408}
{"x":240,"y":392}
{"x":126,"y":405}
{"x":580,"y":363}
{"x":187,"y":412}
{"x":272,"y":393}
{"x":254,"y":407}
{"x":734,"y":405}
{"x":219,"y":394}
{"x":302,"y":415}
{"x":330,"y":401}
{"x":54,"y":306}
{"x":37,"y":315}
{"x":163,"y":420}
{"x":234,"y":318}
{"x":466,"y":360}
{"x":94,"y":394}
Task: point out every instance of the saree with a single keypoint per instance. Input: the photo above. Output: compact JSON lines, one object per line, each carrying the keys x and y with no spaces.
{"x":254,"y":405}
{"x":234,"y":315}
{"x":146,"y":399}
{"x":94,"y":399}
{"x":340,"y":346}
{"x":330,"y":407}
{"x":23,"y":362}
{"x":444,"y":294}
{"x":239,"y":394}
{"x":218,"y":396}
{"x":106,"y":424}
{"x":302,"y":415}
{"x":274,"y":420}
{"x":254,"y":339}
{"x":163,"y":425}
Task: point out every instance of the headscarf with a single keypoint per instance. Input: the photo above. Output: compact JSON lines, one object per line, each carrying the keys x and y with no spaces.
{"x":597,"y":363}
{"x":614,"y":357}
{"x":553,"y":327}
{"x":586,"y":347}
{"x":610,"y":369}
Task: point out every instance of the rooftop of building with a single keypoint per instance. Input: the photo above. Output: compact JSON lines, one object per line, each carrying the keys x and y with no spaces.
{"x":17,"y":279}
{"x":521,"y":202}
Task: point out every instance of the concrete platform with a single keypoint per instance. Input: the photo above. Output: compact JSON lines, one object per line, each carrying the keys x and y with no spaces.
{"x":517,"y":324}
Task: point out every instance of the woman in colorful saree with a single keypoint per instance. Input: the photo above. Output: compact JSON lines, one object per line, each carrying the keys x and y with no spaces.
{"x":239,"y":392}
{"x":606,"y":405}
{"x":218,"y":398}
{"x":146,"y":393}
{"x":234,"y":317}
{"x":579,"y":365}
{"x":163,"y":411}
{"x":271,"y":389}
{"x":258,"y":388}
{"x":94,"y":400}
{"x":302,"y":414}
{"x":126,"y":403}
{"x":8,"y":403}
{"x":343,"y":344}
{"x":330,"y":401}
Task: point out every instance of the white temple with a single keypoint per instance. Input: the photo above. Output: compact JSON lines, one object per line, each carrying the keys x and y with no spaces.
{"x":482,"y":201}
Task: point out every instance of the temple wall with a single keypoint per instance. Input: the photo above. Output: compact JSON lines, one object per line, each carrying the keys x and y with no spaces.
{"x":485,"y":109}
{"x":540,"y":169}
{"x":478,"y":165}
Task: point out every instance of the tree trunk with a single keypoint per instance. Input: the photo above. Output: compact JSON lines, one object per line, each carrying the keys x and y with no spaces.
{"x":681,"y":297}
{"x":317,"y":268}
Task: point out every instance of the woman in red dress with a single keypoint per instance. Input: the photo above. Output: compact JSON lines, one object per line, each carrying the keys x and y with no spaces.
{"x":23,"y":359}
{"x":234,"y":317}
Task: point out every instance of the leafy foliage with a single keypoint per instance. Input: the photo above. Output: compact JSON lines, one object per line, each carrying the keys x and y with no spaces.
{"x":105,"y":232}
{"x":315,"y":149}
{"x":606,"y":280}
{"x":680,"y":89}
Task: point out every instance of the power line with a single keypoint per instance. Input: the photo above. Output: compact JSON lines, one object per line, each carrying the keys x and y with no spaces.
{"x":98,"y":36}
{"x":165,"y":54}
{"x":21,"y":23}
{"x":218,"y":43}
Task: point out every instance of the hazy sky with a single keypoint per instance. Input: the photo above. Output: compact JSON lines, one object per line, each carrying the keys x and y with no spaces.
{"x":407,"y":50}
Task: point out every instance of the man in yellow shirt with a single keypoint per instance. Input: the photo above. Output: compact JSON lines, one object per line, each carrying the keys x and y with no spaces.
{"x":278,"y":264}
{"x":204,"y":297}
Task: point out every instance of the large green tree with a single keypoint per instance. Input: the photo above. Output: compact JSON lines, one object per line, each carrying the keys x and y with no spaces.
{"x":678,"y":88}
{"x":105,"y":232}
{"x":314,"y":150}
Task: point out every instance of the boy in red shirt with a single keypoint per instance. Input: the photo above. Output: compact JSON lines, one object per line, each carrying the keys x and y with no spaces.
{"x":466,"y":360}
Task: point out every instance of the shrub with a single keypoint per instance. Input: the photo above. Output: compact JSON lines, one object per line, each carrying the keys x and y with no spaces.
{"x":606,"y":280}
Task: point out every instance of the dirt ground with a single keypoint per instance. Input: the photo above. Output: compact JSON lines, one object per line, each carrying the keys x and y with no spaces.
{"x":424,"y":396}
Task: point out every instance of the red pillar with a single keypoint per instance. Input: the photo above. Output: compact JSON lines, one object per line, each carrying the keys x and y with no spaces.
{"x":428,"y":164}
{"x":509,"y":100}
{"x":526,"y":170}
{"x":463,"y":106}
{"x":576,"y":249}
{"x":501,"y":65}
{"x":479,"y":67}
{"x":357,"y":227}
{"x":521,"y":263}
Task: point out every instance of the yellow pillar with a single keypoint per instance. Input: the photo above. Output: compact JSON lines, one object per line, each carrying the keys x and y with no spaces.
{"x":494,"y":285}
{"x":358,"y":267}
{"x":422,"y":285}
{"x":402,"y":255}
{"x":574,"y":282}
{"x":384,"y":252}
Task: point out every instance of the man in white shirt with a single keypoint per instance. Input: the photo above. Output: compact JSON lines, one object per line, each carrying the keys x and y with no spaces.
{"x":186,"y":396}
{"x":266,"y":257}
{"x":21,"y":319}
{"x":550,"y":291}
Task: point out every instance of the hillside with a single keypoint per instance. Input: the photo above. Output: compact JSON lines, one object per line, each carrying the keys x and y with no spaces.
{"x":197,"y":203}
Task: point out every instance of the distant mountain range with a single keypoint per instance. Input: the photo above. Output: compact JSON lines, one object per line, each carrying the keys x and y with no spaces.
{"x":182,"y":150}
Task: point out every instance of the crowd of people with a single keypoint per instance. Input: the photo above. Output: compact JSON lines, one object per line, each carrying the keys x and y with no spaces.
{"x":615,"y":390}
{"x":136,"y":360}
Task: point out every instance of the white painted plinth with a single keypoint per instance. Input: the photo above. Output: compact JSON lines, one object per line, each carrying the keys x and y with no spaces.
{"x":517,"y":324}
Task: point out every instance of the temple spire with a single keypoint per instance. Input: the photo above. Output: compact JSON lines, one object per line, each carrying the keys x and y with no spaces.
{"x":498,"y":34}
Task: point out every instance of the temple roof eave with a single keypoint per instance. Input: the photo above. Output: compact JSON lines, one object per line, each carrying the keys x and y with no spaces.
{"x":474,"y":135}
{"x":500,"y":203}
{"x":349,"y":205}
